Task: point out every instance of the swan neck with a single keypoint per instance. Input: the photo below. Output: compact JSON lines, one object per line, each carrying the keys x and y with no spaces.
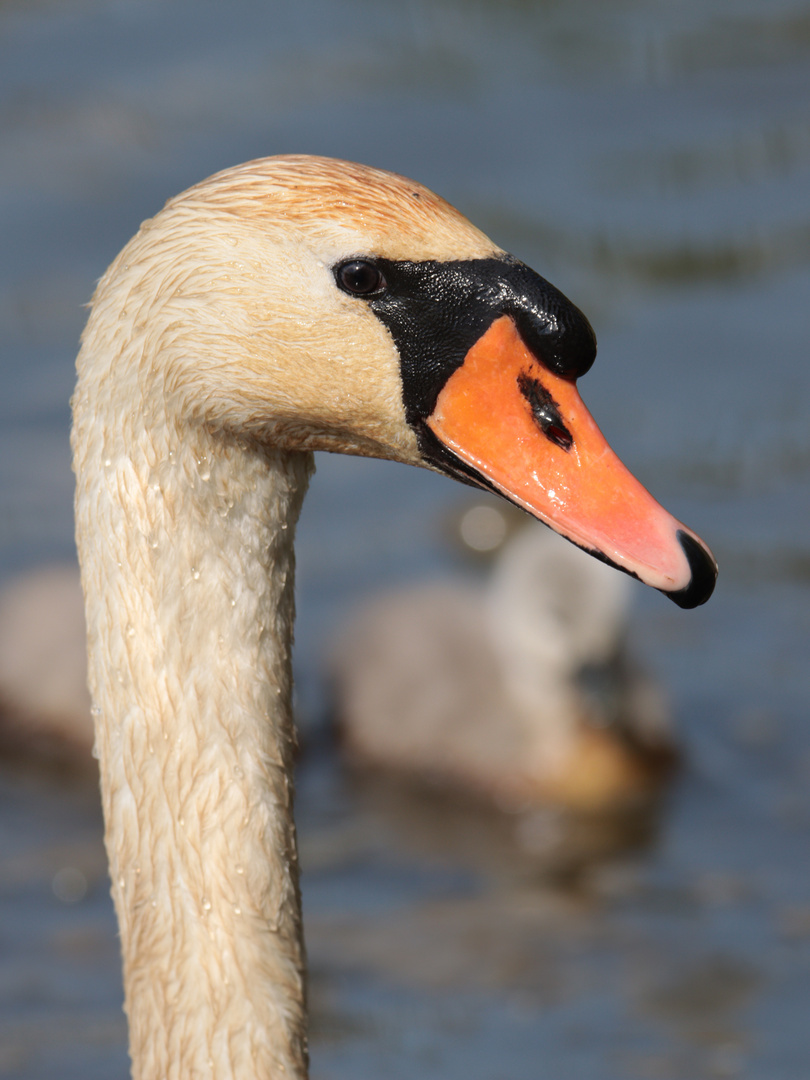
{"x":186,"y":544}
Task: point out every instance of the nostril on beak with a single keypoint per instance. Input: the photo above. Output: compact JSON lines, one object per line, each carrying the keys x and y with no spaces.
{"x":704,"y":573}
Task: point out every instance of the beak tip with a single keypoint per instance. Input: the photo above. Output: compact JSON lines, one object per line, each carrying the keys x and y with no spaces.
{"x":704,"y":573}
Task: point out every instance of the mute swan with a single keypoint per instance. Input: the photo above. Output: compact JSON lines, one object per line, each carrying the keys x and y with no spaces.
{"x":519,"y":690}
{"x":283,"y":306}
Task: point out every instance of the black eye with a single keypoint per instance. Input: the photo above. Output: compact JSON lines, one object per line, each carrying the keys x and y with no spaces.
{"x":360,"y":278}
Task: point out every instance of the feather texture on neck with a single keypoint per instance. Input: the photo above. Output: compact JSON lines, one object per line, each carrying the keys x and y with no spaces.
{"x":186,"y":543}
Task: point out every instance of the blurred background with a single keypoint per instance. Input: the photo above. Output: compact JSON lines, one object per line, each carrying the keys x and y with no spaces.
{"x":653,"y":161}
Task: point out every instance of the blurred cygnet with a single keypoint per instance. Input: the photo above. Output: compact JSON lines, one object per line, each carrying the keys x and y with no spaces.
{"x":521,"y":690}
{"x":44,"y":703}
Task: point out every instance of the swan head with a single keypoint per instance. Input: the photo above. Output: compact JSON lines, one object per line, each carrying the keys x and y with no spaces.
{"x":318,"y":304}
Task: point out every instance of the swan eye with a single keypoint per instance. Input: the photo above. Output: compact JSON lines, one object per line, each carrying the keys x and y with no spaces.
{"x":360,"y":278}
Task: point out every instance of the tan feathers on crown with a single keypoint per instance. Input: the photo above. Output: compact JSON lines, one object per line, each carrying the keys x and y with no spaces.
{"x":403,"y":219}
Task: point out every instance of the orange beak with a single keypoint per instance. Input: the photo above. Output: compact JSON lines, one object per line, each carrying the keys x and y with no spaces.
{"x":528,"y":433}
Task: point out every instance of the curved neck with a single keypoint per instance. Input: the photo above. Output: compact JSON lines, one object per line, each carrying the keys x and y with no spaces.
{"x":186,"y":546}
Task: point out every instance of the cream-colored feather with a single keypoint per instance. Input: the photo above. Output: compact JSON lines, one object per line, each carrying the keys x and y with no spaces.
{"x":218,"y":353}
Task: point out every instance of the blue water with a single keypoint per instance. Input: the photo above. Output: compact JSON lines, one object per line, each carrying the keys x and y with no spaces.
{"x":654,"y":162}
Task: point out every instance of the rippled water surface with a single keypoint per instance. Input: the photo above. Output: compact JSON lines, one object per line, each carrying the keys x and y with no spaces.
{"x":654,"y":162}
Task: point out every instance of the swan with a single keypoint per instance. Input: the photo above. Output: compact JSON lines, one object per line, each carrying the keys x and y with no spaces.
{"x":44,"y":704}
{"x":520,"y":690}
{"x":286,"y":305}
